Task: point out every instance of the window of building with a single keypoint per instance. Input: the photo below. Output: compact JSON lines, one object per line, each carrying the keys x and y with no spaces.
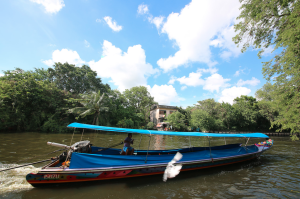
{"x":171,"y":112}
{"x":162,"y":111}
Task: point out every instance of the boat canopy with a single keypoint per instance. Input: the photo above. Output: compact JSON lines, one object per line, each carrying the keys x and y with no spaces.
{"x":153,"y":132}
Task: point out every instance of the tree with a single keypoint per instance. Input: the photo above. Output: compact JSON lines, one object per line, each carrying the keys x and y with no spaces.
{"x":126,"y":123}
{"x":150,"y":125}
{"x":246,"y":112}
{"x":266,"y":93}
{"x":276,"y":22}
{"x":177,"y":120}
{"x":267,"y":104}
{"x":93,"y":104}
{"x":27,"y":102}
{"x":139,"y":98}
{"x":210,"y":106}
{"x":203,"y":120}
{"x":76,"y":79}
{"x":187,"y":114}
{"x":227,"y":115}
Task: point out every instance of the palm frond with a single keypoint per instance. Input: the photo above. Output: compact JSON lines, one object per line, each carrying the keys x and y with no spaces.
{"x":76,"y":110}
{"x":87,"y":112}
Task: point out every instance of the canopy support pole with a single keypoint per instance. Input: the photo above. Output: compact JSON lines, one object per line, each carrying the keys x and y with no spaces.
{"x":210,"y":150}
{"x":72,"y":136}
{"x":82,"y":134}
{"x":148,"y":149}
{"x":140,"y":141}
{"x":190,"y":142}
{"x":263,"y":148}
{"x":70,"y":145}
{"x":246,"y":145}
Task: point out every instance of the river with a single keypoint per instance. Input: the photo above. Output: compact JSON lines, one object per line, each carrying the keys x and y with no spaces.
{"x":276,"y":174}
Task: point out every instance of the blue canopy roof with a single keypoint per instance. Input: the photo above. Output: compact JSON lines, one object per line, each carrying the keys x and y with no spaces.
{"x":152,"y":132}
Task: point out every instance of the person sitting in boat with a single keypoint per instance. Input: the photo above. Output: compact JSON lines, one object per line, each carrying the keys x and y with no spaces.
{"x":127,"y":148}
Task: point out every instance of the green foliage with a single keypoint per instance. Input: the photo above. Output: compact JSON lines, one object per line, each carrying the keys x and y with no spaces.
{"x":28,"y":102}
{"x":266,"y":92}
{"x":140,"y":99}
{"x":31,"y":101}
{"x":276,"y":22}
{"x":150,"y":125}
{"x":187,"y":114}
{"x":210,"y":106}
{"x":126,"y":123}
{"x":38,"y":100}
{"x":203,"y":120}
{"x":227,"y":115}
{"x":78,"y":80}
{"x":92,"y":104}
{"x":177,"y":120}
{"x":247,"y":112}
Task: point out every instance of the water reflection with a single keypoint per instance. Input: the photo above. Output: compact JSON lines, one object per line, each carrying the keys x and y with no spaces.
{"x":275,"y":175}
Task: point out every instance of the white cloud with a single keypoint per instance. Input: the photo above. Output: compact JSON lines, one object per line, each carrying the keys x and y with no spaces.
{"x":142,"y":9}
{"x":229,"y":94}
{"x":157,"y":21}
{"x":1,"y":75}
{"x":241,"y":71}
{"x":51,"y":6}
{"x":211,"y":83}
{"x":63,"y":56}
{"x":126,"y":69}
{"x":49,"y":62}
{"x":252,"y":82}
{"x":193,"y":33}
{"x":194,"y":77}
{"x":183,"y":87}
{"x":192,"y":80}
{"x":225,"y":42}
{"x":268,"y":51}
{"x":215,"y":82}
{"x":238,"y":72}
{"x":98,"y":20}
{"x":86,"y":43}
{"x":172,"y":79}
{"x":164,"y":94}
{"x":112,"y":24}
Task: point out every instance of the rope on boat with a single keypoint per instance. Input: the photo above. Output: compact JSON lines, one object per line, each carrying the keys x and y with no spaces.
{"x":40,"y":155}
{"x":24,"y":165}
{"x":110,"y":147}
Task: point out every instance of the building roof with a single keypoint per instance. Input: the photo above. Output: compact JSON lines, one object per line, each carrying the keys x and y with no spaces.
{"x":163,"y":106}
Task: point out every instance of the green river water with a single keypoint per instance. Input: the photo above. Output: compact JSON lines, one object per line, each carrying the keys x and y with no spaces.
{"x":276,"y":174}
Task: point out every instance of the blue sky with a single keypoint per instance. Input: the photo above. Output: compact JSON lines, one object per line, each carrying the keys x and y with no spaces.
{"x":181,"y":50}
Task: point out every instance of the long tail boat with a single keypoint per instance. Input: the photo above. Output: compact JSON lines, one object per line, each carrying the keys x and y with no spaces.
{"x":83,"y":162}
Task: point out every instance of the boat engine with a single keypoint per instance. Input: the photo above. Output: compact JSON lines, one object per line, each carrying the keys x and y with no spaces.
{"x":80,"y":147}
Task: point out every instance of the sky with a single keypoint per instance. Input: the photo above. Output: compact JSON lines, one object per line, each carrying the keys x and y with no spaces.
{"x":182,"y":51}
